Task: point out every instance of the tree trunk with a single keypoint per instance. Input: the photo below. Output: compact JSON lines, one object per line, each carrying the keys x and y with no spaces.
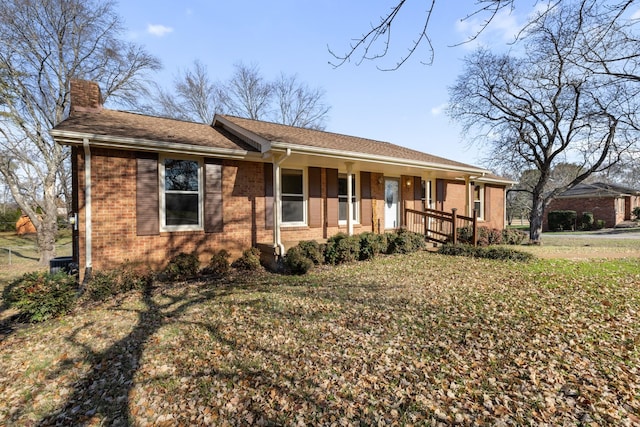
{"x":46,"y":239}
{"x":535,"y":219}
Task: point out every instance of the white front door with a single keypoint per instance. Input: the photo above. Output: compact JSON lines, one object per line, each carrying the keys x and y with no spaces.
{"x":391,"y":206}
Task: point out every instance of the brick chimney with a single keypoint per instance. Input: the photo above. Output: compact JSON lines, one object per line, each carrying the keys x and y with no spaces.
{"x":85,"y":96}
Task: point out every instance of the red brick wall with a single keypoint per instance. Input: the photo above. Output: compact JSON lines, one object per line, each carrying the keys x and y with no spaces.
{"x":602,"y":208}
{"x":493,"y":207}
{"x":114,"y":238}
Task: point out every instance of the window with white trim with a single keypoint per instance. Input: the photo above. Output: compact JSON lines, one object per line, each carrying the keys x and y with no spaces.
{"x":293,"y":197}
{"x":478,"y":200}
{"x":343,"y":197}
{"x":181,"y":194}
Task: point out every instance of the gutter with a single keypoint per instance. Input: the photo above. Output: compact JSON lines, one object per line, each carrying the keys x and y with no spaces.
{"x":396,"y":161}
{"x":278,"y":247}
{"x":73,"y":138}
{"x":87,"y":211}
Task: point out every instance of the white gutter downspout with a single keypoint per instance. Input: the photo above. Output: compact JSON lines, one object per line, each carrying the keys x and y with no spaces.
{"x":467,"y":182}
{"x":87,"y":209}
{"x":349,"y":197}
{"x":277,"y":203}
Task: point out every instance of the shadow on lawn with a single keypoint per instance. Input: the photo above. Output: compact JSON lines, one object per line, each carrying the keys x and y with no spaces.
{"x":104,"y":391}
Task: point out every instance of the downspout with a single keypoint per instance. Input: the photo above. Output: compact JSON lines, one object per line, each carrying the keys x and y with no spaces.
{"x":349,"y":197}
{"x":87,"y":210}
{"x":278,"y":247}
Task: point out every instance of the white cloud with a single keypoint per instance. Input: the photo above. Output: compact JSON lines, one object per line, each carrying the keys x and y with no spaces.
{"x":439,"y":109}
{"x":636,"y":15}
{"x":158,"y":30}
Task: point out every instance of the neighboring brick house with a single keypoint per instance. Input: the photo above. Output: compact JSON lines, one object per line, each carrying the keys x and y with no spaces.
{"x":146,"y":188}
{"x":608,"y":202}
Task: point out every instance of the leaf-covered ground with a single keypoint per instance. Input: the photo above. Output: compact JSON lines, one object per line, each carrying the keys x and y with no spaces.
{"x":420,"y":339}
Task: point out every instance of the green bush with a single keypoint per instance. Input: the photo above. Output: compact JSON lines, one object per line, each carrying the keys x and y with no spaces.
{"x":636,"y":212}
{"x":599,"y":224}
{"x":296,"y":262}
{"x":498,"y":253}
{"x":404,"y":242}
{"x":511,"y":236}
{"x":342,"y":249}
{"x":562,"y":220}
{"x":8,"y":219}
{"x":489,"y":236}
{"x":371,"y":245}
{"x":218,"y":264}
{"x":107,"y":284}
{"x":465,"y":234}
{"x":312,"y":250}
{"x":249,"y":261}
{"x":587,"y":222}
{"x":182,"y":266}
{"x":42,"y":296}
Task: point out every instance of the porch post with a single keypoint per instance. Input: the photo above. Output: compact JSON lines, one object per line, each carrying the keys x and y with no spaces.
{"x":277,"y":202}
{"x":467,"y":207}
{"x":349,"y":197}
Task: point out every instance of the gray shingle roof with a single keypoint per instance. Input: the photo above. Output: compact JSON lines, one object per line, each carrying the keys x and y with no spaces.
{"x":598,"y":189}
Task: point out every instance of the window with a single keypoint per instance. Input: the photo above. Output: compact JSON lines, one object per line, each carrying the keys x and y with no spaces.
{"x":426,"y":195}
{"x":293,"y":206}
{"x":181,"y":194}
{"x":343,"y":198}
{"x":478,"y":200}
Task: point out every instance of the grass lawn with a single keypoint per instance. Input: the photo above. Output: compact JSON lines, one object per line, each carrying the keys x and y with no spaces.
{"x":19,"y":254}
{"x":420,"y":339}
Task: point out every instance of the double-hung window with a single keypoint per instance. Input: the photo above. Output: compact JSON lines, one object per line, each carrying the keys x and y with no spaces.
{"x":343,"y":197}
{"x":293,"y":205}
{"x":478,"y":200}
{"x":181,"y":194}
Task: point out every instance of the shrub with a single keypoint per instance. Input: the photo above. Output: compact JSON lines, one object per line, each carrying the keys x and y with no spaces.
{"x":106,"y":284}
{"x":587,"y":221}
{"x":218,"y":264}
{"x":8,"y":219}
{"x":182,"y":266}
{"x":498,"y":253}
{"x":249,"y":261}
{"x":404,"y":242}
{"x":561,"y":220}
{"x":342,"y":249}
{"x":371,"y":245}
{"x":296,"y":261}
{"x":42,"y":296}
{"x":636,"y":212}
{"x":465,"y":234}
{"x":599,"y":224}
{"x":489,"y":236}
{"x":511,"y":236}
{"x":312,"y":250}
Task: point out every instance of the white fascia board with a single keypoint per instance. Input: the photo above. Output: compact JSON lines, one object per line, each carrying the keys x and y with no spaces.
{"x":76,"y":138}
{"x":487,"y":180}
{"x":258,"y":142}
{"x":354,"y":156}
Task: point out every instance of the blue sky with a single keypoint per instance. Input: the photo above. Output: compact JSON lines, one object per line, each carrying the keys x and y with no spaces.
{"x":405,"y":107}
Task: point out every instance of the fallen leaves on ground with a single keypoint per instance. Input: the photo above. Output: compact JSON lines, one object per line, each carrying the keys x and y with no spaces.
{"x":421,"y":339}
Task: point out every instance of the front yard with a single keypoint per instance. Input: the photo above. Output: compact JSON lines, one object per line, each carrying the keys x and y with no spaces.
{"x":413,"y":339}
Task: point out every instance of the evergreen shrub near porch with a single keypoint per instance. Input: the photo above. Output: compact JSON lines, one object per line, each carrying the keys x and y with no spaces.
{"x":341,"y":249}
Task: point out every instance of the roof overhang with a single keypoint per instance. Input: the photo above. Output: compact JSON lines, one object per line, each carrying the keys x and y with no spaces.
{"x":138,"y":144}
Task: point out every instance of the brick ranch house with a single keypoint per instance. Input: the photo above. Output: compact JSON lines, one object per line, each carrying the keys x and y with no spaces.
{"x":611,"y":203}
{"x":146,"y":188}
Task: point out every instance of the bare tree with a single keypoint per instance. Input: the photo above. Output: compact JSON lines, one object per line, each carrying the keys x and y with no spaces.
{"x":195,"y":98}
{"x":378,"y":41}
{"x":43,"y":45}
{"x":246,"y":93}
{"x":297,"y":104}
{"x":541,"y":109}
